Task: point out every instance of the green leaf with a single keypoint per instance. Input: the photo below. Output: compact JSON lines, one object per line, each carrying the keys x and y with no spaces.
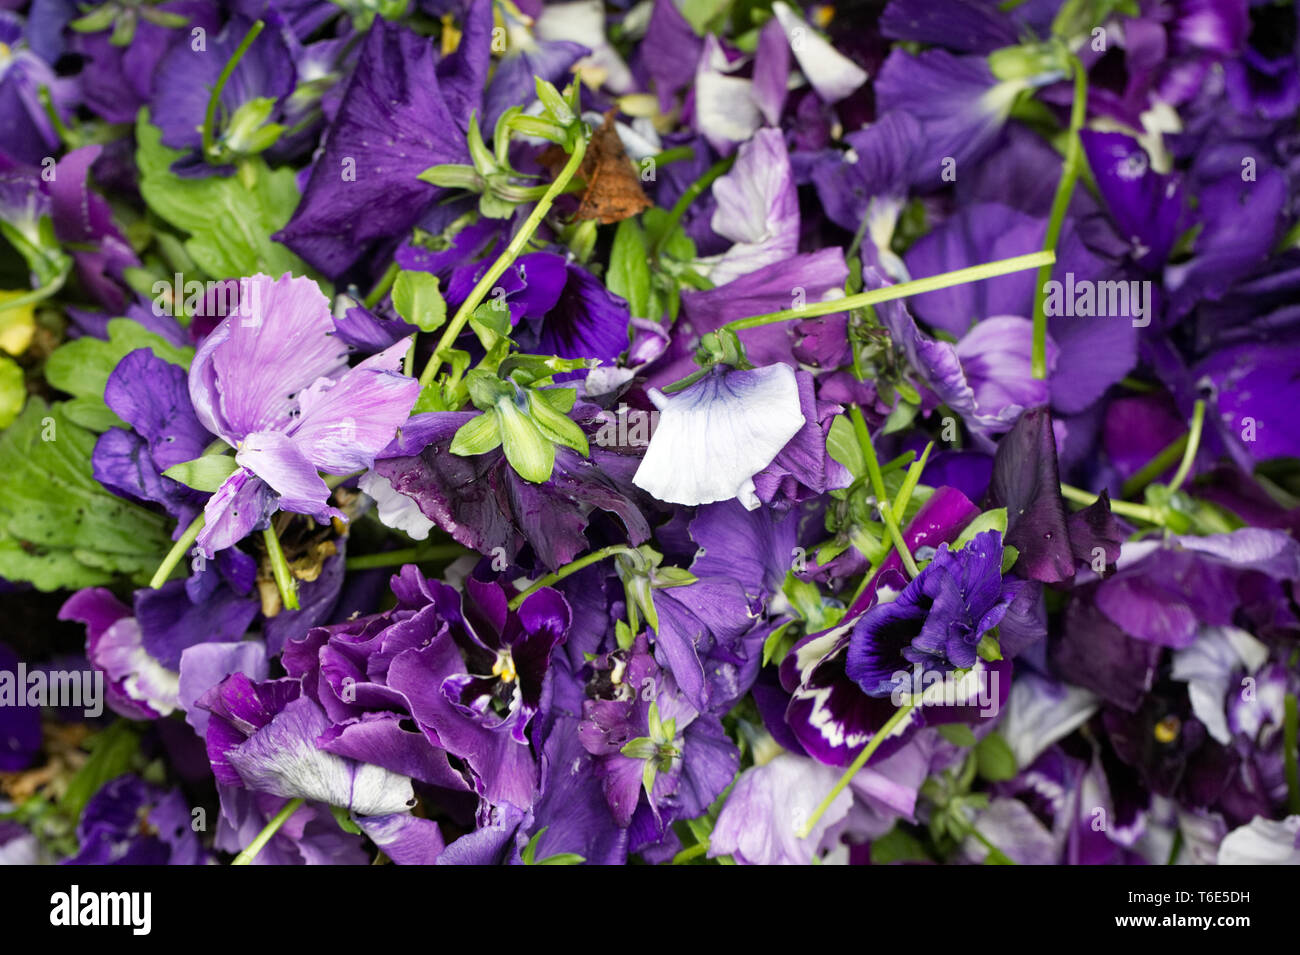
{"x":842,"y":445}
{"x":778,"y":643}
{"x":528,"y":451}
{"x":677,"y":245}
{"x":58,"y":526}
{"x":111,"y":754}
{"x":13,"y":390}
{"x":206,"y":473}
{"x":418,"y":300}
{"x":959,"y":734}
{"x":563,"y":858}
{"x":994,"y":758}
{"x":994,"y":520}
{"x":629,"y":267}
{"x":229,"y":225}
{"x":91,"y":413}
{"x":897,"y":845}
{"x":1009,"y":557}
{"x":530,"y":850}
{"x":701,"y":13}
{"x":81,"y":367}
{"x":477,"y":435}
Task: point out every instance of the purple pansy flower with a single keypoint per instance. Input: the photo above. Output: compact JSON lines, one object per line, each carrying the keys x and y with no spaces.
{"x":645,"y":735}
{"x":131,"y":822}
{"x":402,"y":112}
{"x":274,"y":384}
{"x":262,"y":737}
{"x":252,"y":96}
{"x":937,"y":620}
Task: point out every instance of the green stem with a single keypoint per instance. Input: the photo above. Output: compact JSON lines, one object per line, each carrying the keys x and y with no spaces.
{"x":1193,"y":445}
{"x":248,"y":855}
{"x":280,"y":567}
{"x":1060,"y":205}
{"x":1141,"y":512}
{"x":210,"y":116}
{"x":35,"y":295}
{"x":1157,"y":466}
{"x":1175,"y":847}
{"x":873,"y":744}
{"x":994,"y":851}
{"x":407,"y":555}
{"x":711,"y":175}
{"x":691,"y":852}
{"x":1290,"y":732}
{"x":974,"y":273}
{"x":676,"y":154}
{"x":878,"y":487}
{"x":595,"y":557}
{"x":382,"y":286}
{"x":67,"y":136}
{"x":485,"y":284}
{"x":176,"y":553}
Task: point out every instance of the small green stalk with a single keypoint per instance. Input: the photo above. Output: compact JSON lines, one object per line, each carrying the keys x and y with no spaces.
{"x":1141,"y":512}
{"x":878,"y":487}
{"x":269,"y":830}
{"x":693,"y":191}
{"x":407,"y":555}
{"x":873,"y":744}
{"x":489,"y":279}
{"x":595,"y":557}
{"x":382,"y":286}
{"x":178,"y":551}
{"x":280,"y":567}
{"x":210,"y":117}
{"x":1193,"y":445}
{"x":1060,"y":205}
{"x":975,"y":273}
{"x":1162,"y":462}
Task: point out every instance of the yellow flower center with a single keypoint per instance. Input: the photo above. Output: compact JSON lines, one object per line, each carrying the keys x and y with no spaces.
{"x":505,"y":667}
{"x":1167,"y":729}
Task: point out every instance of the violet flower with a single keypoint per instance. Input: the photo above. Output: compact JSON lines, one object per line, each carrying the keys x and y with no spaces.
{"x":273,"y":382}
{"x":131,"y":822}
{"x":937,"y":620}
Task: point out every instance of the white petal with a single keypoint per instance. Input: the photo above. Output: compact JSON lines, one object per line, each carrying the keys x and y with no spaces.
{"x":1262,"y":842}
{"x":396,"y":510}
{"x":832,"y":74}
{"x":718,"y":433}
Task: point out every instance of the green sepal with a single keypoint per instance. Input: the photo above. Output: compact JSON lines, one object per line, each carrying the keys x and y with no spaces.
{"x":526,"y":448}
{"x":479,"y":435}
{"x":643,"y":747}
{"x":557,"y":427}
{"x":206,"y":473}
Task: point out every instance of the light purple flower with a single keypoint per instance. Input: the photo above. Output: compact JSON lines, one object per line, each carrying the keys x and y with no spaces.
{"x":272,"y":381}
